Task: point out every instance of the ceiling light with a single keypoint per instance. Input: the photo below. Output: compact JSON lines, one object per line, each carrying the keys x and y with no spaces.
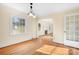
{"x":31,"y":14}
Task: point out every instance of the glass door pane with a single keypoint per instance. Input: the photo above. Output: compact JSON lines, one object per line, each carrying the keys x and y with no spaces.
{"x":70,"y":28}
{"x":77,"y":28}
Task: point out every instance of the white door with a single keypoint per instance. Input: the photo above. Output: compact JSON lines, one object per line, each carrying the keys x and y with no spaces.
{"x":71,"y":30}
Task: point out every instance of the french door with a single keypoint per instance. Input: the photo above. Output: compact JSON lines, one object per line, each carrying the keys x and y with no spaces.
{"x":71,"y":30}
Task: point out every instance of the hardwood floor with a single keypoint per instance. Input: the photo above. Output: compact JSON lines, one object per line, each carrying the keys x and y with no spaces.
{"x":26,"y":47}
{"x":29,"y":47}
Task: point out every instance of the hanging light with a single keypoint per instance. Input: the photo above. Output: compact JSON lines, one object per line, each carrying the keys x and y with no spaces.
{"x":31,"y":14}
{"x":31,"y":11}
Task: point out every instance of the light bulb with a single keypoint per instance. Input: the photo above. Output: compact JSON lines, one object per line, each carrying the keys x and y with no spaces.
{"x":16,"y":27}
{"x":31,"y":14}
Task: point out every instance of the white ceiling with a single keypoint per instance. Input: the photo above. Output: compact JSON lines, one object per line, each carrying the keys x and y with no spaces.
{"x":42,"y":9}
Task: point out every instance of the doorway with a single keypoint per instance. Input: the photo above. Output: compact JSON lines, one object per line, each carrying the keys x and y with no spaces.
{"x":45,"y":26}
{"x":46,"y":32}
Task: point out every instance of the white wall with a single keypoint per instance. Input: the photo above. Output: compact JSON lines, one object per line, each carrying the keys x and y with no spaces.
{"x":58,"y":25}
{"x":6,"y":14}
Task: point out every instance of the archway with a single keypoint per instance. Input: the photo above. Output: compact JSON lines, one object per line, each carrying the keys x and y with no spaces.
{"x":44,"y":27}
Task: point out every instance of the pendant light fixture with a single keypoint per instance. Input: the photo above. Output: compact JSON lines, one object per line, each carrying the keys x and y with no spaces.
{"x":31,"y":14}
{"x":31,"y":11}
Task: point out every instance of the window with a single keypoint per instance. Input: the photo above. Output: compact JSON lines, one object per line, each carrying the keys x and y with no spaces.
{"x":18,"y":25}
